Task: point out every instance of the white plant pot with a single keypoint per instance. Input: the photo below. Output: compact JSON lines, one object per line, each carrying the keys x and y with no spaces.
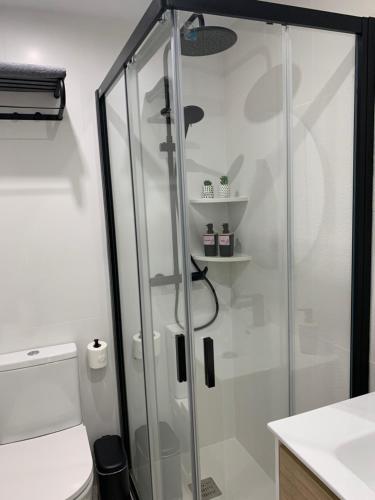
{"x":224,"y":191}
{"x":207,"y":191}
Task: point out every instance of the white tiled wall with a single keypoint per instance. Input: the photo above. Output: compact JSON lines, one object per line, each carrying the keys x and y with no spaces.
{"x":53,"y":265}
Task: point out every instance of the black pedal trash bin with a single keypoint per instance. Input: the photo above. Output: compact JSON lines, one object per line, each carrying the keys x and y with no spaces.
{"x":112,"y":468}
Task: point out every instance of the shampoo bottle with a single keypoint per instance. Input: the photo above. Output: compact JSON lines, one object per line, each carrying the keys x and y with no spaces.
{"x":210,"y":241}
{"x":226,"y":242}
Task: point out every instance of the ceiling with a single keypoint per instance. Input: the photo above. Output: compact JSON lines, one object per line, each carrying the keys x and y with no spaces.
{"x":130,"y":10}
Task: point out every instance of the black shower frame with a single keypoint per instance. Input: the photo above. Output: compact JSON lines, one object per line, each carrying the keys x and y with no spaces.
{"x":364,"y":29}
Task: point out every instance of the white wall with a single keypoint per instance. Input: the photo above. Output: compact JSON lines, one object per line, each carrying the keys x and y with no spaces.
{"x":53,"y":266}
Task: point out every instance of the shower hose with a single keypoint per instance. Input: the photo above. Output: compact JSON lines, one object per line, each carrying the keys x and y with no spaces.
{"x":211,"y":287}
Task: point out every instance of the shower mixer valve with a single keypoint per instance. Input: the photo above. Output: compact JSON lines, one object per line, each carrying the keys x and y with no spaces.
{"x":162,"y":280}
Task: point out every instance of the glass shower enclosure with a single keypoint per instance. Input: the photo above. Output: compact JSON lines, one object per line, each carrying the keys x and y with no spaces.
{"x":235,"y":175}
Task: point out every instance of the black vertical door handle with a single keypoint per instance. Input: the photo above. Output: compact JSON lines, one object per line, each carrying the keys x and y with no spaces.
{"x":180,"y":358}
{"x":209,"y":362}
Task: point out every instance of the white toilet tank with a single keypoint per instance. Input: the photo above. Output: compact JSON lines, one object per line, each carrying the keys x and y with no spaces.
{"x":39,"y":392}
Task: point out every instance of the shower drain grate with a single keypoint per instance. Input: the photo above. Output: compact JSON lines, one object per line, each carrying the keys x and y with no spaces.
{"x":209,"y":489}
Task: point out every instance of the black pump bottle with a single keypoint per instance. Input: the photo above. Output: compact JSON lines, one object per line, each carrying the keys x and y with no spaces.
{"x":210,"y":241}
{"x":226,"y":242}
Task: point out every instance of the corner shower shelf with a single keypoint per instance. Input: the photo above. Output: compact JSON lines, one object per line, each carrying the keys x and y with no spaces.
{"x":233,"y":199}
{"x":235,"y":258}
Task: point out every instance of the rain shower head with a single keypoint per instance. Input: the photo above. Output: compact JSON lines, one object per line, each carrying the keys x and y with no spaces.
{"x":192,"y":114}
{"x":206,"y":40}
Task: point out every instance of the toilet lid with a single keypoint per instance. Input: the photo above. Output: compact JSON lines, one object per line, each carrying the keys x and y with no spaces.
{"x":57,"y":466}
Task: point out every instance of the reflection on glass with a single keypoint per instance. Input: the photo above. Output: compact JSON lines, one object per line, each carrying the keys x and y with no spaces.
{"x":153,"y":139}
{"x":128,"y":280}
{"x":322,"y":172}
{"x":239,"y":146}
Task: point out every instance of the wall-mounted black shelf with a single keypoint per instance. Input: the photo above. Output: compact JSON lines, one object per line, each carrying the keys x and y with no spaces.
{"x":28,"y":78}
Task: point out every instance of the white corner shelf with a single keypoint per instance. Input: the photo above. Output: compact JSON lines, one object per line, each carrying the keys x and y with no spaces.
{"x":235,"y":258}
{"x":207,"y":201}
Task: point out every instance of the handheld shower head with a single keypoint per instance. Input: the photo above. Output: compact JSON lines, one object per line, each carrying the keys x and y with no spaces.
{"x":192,"y":114}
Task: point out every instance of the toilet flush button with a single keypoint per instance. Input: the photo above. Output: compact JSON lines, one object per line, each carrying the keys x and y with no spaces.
{"x":33,"y":353}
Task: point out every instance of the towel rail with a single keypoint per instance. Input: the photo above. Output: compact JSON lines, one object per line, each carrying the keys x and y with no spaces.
{"x":32,"y":83}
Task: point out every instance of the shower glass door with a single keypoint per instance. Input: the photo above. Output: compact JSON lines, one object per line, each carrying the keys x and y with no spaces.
{"x":241,"y":136}
{"x":123,"y":203}
{"x":162,"y":260}
{"x":269,"y":125}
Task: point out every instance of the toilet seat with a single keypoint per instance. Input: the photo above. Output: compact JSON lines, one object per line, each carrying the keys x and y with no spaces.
{"x":57,"y":466}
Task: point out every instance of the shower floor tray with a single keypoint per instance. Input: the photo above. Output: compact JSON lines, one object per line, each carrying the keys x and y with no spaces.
{"x":235,"y":473}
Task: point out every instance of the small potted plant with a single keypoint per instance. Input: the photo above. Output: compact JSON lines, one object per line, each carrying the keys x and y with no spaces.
{"x":208,"y":189}
{"x":224,"y":188}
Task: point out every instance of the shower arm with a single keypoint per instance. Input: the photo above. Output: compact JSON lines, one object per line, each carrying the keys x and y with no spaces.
{"x":188,"y":24}
{"x":191,"y":20}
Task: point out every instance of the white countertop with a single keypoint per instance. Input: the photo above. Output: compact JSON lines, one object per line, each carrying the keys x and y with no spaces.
{"x":337,"y":443}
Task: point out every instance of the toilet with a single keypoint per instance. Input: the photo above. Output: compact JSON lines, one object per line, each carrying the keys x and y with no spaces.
{"x":44,"y":448}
